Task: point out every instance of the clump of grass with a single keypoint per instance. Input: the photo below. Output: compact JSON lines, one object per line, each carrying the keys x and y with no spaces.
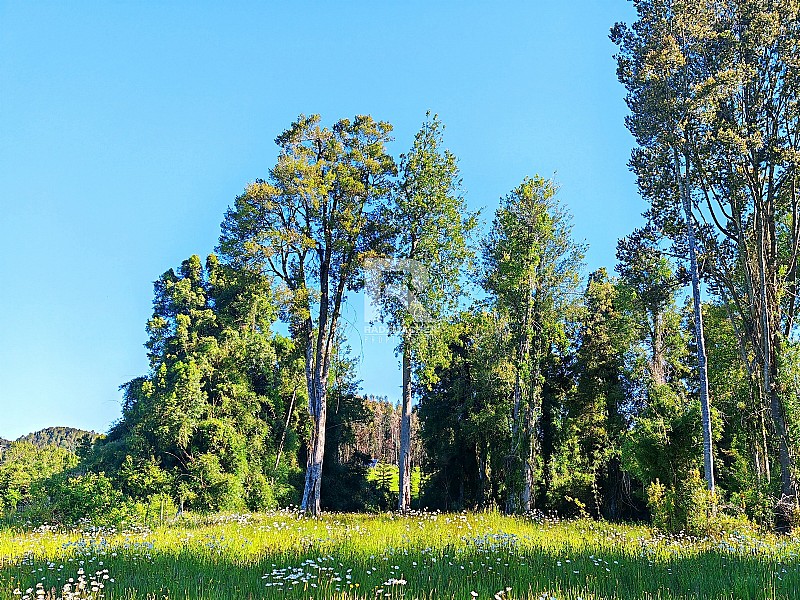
{"x":425,"y":555}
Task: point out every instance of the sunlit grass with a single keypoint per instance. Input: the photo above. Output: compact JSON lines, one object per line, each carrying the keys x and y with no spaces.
{"x":486,"y":555}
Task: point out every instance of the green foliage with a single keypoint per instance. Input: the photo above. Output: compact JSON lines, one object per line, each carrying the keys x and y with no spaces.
{"x":688,"y":506}
{"x":89,"y":497}
{"x":69,"y":438}
{"x":430,"y":236}
{"x":24,"y":468}
{"x":464,"y":410}
{"x":585,"y":464}
{"x":205,"y":424}
{"x":664,"y":443}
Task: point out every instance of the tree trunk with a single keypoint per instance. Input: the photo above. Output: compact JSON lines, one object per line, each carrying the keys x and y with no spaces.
{"x":404,"y":501}
{"x":527,"y":484}
{"x":513,"y":462}
{"x":316,"y":453}
{"x":318,"y":357}
{"x":519,"y":476}
{"x":702,"y":367}
{"x":788,"y":501}
{"x":285,"y":428}
{"x":658,"y":368}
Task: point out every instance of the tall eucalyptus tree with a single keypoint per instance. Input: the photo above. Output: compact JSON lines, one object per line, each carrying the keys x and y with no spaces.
{"x":310,"y":225}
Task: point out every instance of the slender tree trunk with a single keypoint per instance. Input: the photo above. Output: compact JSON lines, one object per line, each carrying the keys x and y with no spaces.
{"x":532,"y":412}
{"x":788,"y":501}
{"x":404,"y":501}
{"x":483,"y":472}
{"x":658,"y":368}
{"x":764,"y":446}
{"x":527,"y":484}
{"x":513,"y":463}
{"x":519,"y":456}
{"x":285,"y":428}
{"x":702,"y":367}
{"x":521,"y":443}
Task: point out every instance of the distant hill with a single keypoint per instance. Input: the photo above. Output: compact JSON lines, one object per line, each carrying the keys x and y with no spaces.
{"x":64,"y":437}
{"x":4,"y":444}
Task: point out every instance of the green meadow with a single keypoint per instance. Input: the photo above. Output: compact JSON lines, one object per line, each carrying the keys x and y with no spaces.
{"x":424,"y":555}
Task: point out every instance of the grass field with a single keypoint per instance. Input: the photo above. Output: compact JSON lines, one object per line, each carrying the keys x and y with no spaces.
{"x":284,"y":555}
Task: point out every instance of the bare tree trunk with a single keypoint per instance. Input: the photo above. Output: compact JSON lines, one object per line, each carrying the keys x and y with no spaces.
{"x":520,"y":457}
{"x":483,"y":472}
{"x":788,"y":501}
{"x":316,"y":453}
{"x":527,"y":485}
{"x":520,"y":453}
{"x":702,"y":367}
{"x":318,"y":358}
{"x":765,"y":446}
{"x":658,"y":368}
{"x":285,"y":428}
{"x":404,"y":501}
{"x":532,"y":413}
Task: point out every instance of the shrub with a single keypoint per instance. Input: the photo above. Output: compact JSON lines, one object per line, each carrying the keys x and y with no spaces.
{"x":70,"y":499}
{"x":687,"y":507}
{"x":259,"y":493}
{"x":157,"y":509}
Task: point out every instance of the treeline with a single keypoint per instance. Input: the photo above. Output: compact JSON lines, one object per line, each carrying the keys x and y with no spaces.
{"x":666,"y":386}
{"x":68,"y":438}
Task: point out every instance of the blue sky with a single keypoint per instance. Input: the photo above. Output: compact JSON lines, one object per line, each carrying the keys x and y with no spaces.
{"x":127,"y":128}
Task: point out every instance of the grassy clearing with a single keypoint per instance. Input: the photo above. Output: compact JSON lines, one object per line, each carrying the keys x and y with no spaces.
{"x":283,"y":555}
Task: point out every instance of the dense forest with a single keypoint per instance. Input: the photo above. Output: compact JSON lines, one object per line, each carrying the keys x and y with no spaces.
{"x":664,"y":386}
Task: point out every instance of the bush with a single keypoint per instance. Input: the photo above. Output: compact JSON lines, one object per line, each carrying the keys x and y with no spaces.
{"x":157,"y":509}
{"x":259,"y":493}
{"x":68,"y":500}
{"x":214,"y":489}
{"x":757,"y":504}
{"x":23,"y":469}
{"x":687,"y":507}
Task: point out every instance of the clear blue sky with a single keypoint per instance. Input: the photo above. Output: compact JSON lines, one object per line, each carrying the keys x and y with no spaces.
{"x":127,"y":128}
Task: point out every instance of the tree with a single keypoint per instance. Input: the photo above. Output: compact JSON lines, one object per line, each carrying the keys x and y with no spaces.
{"x":24,"y":467}
{"x":203,"y":424}
{"x":656,"y":64}
{"x":310,"y":225}
{"x":597,"y":407}
{"x":464,"y":407}
{"x":531,"y":272}
{"x":712,"y":89}
{"x":430,"y":248}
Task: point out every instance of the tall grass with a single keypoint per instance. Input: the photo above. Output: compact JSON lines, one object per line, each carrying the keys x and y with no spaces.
{"x":345,"y":556}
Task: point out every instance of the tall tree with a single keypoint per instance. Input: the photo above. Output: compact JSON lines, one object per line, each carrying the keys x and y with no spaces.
{"x":598,"y":403}
{"x":203,"y":423}
{"x":430,"y":249}
{"x":463,"y":410}
{"x":658,"y":63}
{"x":531,"y":271}
{"x":713,"y":91}
{"x":310,"y":226}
